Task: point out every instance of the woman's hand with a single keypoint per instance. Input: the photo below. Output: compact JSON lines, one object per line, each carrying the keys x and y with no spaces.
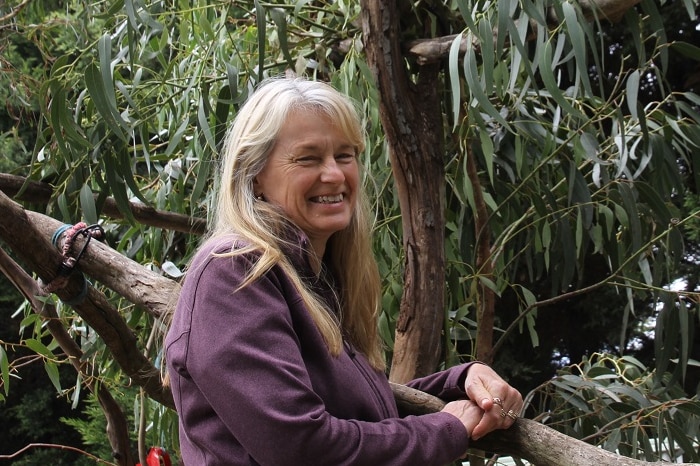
{"x":466,"y":411}
{"x":501,"y":404}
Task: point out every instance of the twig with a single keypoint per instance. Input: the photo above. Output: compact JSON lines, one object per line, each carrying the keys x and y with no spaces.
{"x":117,"y":430}
{"x":14,"y":12}
{"x":56,"y":446}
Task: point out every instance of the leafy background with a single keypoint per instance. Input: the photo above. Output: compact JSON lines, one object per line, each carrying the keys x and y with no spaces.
{"x":585,"y":134}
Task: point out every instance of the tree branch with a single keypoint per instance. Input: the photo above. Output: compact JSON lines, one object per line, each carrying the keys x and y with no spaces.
{"x":36,"y":192}
{"x":54,"y":446}
{"x":526,"y":439}
{"x":435,"y":49}
{"x":14,"y":12}
{"x":117,"y":427}
{"x":27,"y":239}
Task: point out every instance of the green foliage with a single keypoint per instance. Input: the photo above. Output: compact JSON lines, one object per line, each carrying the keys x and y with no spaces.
{"x":618,"y":404}
{"x":32,"y":411}
{"x":580,"y":163}
{"x":571,"y":167}
{"x":691,"y":228}
{"x":92,"y":426}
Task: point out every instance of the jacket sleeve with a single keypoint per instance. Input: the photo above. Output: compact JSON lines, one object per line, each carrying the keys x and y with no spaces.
{"x":244,"y":356}
{"x":447,"y":385}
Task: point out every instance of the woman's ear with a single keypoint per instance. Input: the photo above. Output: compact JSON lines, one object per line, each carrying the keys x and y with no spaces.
{"x":257,"y":192}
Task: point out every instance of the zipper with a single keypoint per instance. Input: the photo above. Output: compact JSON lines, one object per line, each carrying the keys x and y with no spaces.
{"x":368,"y":377}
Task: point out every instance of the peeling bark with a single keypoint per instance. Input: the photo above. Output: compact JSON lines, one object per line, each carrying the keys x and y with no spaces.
{"x":412,"y":120}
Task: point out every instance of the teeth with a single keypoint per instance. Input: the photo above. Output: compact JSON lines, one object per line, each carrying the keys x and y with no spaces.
{"x":329,"y":199}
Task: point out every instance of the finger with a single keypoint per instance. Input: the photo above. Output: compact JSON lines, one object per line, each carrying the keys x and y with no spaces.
{"x":483,"y":384}
{"x":477,"y":391}
{"x":500,"y":418}
{"x":486,"y":424}
{"x":511,"y":415}
{"x":486,"y":403}
{"x":514,"y":404}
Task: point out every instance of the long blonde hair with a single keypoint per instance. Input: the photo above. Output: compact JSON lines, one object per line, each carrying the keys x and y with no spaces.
{"x":246,"y":148}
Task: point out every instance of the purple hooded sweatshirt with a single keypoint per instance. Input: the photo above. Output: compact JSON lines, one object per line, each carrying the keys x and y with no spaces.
{"x":255,"y":384}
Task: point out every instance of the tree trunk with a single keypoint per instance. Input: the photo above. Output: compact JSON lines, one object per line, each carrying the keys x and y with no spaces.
{"x":486,"y":304}
{"x":412,"y":120}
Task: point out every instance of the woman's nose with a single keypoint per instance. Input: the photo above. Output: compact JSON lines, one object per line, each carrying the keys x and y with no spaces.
{"x":331,"y":171}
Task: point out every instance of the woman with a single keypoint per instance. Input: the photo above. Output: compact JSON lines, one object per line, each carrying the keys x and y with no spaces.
{"x":273,"y":352}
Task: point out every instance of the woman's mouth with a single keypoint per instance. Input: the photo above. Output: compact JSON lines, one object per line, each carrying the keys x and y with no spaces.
{"x":328,"y":199}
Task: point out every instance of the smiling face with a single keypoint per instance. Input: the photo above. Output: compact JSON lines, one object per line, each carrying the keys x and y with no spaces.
{"x":312,"y":174}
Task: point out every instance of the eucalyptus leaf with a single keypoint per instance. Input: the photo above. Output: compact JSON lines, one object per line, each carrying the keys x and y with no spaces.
{"x":87,"y":204}
{"x":39,"y":348}
{"x":5,"y":371}
{"x":171,"y":269}
{"x":633,"y":92}
{"x":52,"y":372}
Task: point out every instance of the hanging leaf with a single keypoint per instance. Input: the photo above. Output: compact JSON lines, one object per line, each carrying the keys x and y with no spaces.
{"x":280,"y":19}
{"x":117,"y":187}
{"x":52,"y":371}
{"x":95,"y":86}
{"x":261,"y":24}
{"x":204,"y":126}
{"x":5,"y":371}
{"x":39,"y":348}
{"x":633,"y":93}
{"x":455,"y":88}
{"x":547,"y":66}
{"x":474,"y":87}
{"x":578,"y":42}
{"x":686,"y":49}
{"x":87,"y":204}
{"x":634,"y":225}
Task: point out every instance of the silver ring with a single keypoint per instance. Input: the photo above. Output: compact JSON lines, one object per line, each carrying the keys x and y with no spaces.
{"x":503,"y":413}
{"x":512,"y":414}
{"x":498,"y":401}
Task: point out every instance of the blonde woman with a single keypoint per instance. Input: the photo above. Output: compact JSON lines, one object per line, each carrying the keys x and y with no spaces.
{"x":273,"y":352}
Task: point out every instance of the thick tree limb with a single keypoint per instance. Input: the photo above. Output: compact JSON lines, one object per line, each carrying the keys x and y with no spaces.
{"x":99,"y":261}
{"x":526,"y":439}
{"x":27,"y":234}
{"x":435,"y":49}
{"x":36,"y":192}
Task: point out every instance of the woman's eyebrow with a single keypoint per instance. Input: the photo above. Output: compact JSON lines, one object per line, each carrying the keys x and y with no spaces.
{"x":310,"y":145}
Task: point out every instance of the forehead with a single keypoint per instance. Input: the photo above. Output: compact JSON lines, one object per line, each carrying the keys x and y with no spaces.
{"x":309,"y":129}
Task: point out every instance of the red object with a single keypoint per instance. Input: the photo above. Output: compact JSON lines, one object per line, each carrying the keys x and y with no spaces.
{"x":157,"y":456}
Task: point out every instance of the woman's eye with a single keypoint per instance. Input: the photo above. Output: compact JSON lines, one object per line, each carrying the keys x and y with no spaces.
{"x":345,"y":157}
{"x":306,"y":159}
